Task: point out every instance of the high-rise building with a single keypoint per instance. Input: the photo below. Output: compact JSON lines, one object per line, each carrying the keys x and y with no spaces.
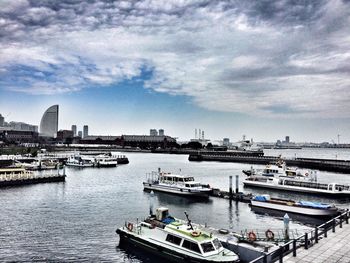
{"x":161,"y":132}
{"x":226,"y":142}
{"x":85,"y":131}
{"x":74,"y":130}
{"x":49,"y":122}
{"x":80,"y":134}
{"x":153,"y":132}
{"x":2,"y":120}
{"x":287,"y":139}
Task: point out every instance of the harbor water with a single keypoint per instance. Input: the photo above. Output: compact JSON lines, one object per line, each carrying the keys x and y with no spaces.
{"x":76,"y":220}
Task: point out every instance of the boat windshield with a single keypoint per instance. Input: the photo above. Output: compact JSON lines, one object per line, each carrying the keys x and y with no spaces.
{"x":217,"y":243}
{"x":207,"y":247}
{"x":189,"y":179}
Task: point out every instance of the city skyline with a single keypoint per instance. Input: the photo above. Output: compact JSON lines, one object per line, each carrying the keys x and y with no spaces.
{"x":262,"y":69}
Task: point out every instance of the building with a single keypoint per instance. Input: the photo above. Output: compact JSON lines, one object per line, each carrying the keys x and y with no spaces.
{"x":141,"y":141}
{"x":63,"y":135}
{"x":2,"y":120}
{"x":161,"y":132}
{"x":21,"y":126}
{"x":287,"y":139}
{"x":85,"y":131}
{"x":12,"y":136}
{"x":153,"y":132}
{"x":80,"y":134}
{"x":226,"y":142}
{"x":49,"y":122}
{"x":74,"y":130}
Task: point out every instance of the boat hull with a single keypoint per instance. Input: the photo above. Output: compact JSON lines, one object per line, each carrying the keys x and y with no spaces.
{"x":163,"y":252}
{"x":175,"y":190}
{"x":296,"y":189}
{"x":295,"y":209}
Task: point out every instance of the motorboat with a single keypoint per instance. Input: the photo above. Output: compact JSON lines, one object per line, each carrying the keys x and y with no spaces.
{"x":281,"y":170}
{"x":105,"y":160}
{"x":298,"y":207}
{"x":174,"y":239}
{"x":175,"y":184}
{"x":297,"y":185}
{"x":79,"y":161}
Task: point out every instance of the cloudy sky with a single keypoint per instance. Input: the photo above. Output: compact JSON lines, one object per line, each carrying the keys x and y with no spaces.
{"x":261,"y":68}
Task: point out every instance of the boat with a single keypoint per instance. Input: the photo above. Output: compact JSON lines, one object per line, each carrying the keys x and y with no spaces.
{"x":175,"y":184}
{"x":105,"y":160}
{"x":174,"y":239}
{"x":79,"y":161}
{"x":299,"y":207}
{"x":281,"y":170}
{"x":297,"y":185}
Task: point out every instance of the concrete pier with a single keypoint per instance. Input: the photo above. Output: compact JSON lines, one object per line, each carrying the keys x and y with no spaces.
{"x":334,"y":248}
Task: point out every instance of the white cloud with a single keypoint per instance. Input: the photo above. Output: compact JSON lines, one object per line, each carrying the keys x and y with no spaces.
{"x":237,"y":58}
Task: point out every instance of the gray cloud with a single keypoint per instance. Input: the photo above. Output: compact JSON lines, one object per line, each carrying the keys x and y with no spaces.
{"x":258,"y":57}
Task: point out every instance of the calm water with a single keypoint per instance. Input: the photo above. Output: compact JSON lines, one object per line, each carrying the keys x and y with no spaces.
{"x":76,"y":220}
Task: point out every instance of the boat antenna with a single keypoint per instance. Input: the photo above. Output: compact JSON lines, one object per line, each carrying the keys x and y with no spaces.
{"x":188,"y":221}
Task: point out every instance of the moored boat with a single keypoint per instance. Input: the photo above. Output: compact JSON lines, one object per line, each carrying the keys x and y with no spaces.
{"x":296,"y":185}
{"x":175,"y":240}
{"x":105,"y":160}
{"x":175,"y":184}
{"x":300,"y":207}
{"x":79,"y":161}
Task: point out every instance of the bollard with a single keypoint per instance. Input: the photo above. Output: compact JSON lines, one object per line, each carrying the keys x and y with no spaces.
{"x":294,"y":248}
{"x":286,"y":226}
{"x":230,"y":190}
{"x":316,"y":235}
{"x":306,"y":241}
{"x":237,"y":186}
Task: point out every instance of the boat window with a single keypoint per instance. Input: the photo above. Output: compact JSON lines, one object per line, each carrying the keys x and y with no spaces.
{"x":191,"y":246}
{"x":187,"y":185}
{"x":207,"y":247}
{"x":173,"y":239}
{"x":217,"y":243}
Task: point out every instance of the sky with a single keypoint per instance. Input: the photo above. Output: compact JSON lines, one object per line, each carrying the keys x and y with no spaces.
{"x":262,"y":68}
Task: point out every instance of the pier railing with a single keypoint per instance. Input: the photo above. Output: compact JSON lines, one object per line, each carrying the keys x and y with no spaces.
{"x":306,"y":240}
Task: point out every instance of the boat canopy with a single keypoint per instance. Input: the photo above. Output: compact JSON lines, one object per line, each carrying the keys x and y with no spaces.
{"x":314,"y":204}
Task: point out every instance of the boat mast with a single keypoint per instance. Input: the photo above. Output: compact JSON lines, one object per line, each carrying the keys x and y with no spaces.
{"x":188,"y":221}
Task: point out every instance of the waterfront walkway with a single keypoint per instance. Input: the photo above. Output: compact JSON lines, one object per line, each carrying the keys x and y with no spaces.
{"x":333,"y":249}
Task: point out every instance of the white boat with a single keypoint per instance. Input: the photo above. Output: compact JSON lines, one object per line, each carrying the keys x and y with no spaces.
{"x":105,"y":160}
{"x":297,"y":185}
{"x":281,"y":170}
{"x":175,"y":184}
{"x":302,"y":207}
{"x":79,"y":161}
{"x":175,"y":240}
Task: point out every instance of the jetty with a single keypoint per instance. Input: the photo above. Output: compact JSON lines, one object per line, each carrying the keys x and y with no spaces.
{"x":326,"y":243}
{"x":21,"y":176}
{"x":331,"y":165}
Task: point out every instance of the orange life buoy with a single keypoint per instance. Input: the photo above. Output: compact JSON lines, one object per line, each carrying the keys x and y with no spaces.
{"x":196,"y":234}
{"x":306,"y":174}
{"x":269,"y":235}
{"x":130,"y":226}
{"x":251,"y":236}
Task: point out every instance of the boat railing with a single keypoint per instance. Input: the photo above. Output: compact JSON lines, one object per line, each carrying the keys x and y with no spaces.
{"x":306,"y":240}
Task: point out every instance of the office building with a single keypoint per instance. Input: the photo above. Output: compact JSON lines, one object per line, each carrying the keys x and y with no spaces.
{"x":80,"y":134}
{"x":74,"y":130}
{"x":49,"y":122}
{"x":153,"y":132}
{"x":226,"y":142}
{"x":85,"y":131}
{"x":2,"y":120}
{"x":161,"y":132}
{"x":287,"y":139}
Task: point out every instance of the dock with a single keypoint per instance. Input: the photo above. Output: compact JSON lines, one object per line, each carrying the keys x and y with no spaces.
{"x":327,"y":243}
{"x":20,"y":176}
{"x":331,"y":165}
